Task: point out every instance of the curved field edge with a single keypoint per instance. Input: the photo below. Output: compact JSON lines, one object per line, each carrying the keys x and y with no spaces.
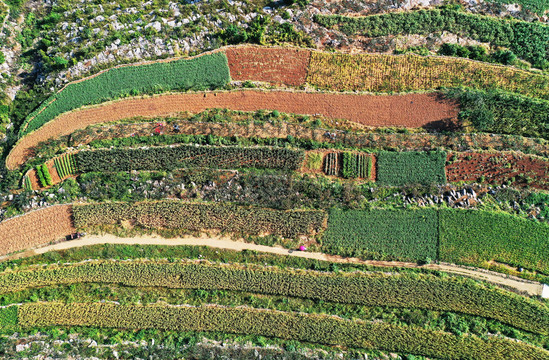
{"x":324,"y":70}
{"x":322,"y":329}
{"x":209,"y":70}
{"x":247,"y":124}
{"x":370,"y":289}
{"x":414,"y":110}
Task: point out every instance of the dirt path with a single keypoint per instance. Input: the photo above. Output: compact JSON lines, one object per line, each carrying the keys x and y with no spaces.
{"x":525,"y":286}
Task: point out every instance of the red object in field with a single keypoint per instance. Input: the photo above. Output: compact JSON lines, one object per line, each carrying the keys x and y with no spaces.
{"x":302,"y":248}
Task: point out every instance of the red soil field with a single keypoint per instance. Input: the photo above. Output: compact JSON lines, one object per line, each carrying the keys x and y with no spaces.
{"x":35,"y":228}
{"x":35,"y":181}
{"x":274,"y":65}
{"x":498,"y":168}
{"x":409,"y":110}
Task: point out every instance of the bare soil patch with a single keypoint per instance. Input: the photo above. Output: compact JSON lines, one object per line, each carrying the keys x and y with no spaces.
{"x":518,"y":169}
{"x":274,"y":65}
{"x":409,"y":110}
{"x":35,"y":228}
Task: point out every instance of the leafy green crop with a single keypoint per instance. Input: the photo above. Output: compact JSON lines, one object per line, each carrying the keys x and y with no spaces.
{"x":380,"y":233}
{"x":468,"y":236}
{"x":411,"y":167}
{"x":204,"y":72}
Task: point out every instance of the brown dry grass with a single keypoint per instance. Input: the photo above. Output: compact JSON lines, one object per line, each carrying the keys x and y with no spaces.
{"x":35,"y":228}
{"x":409,"y":110}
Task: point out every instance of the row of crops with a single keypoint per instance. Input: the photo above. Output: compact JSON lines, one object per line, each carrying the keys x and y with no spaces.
{"x":204,"y":72}
{"x":424,"y":291}
{"x":458,"y":236}
{"x":65,"y":165}
{"x":199,"y":216}
{"x":44,"y":176}
{"x":526,"y":39}
{"x":184,"y":156}
{"x":348,"y":165}
{"x":310,"y":328}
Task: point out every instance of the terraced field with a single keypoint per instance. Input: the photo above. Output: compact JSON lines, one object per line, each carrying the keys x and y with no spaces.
{"x":410,"y":189}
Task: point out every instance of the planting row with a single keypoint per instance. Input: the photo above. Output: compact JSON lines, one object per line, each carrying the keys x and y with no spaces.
{"x":182,"y":156}
{"x":526,"y":39}
{"x":321,"y":329}
{"x":198,"y":217}
{"x":457,"y":236}
{"x":370,"y":289}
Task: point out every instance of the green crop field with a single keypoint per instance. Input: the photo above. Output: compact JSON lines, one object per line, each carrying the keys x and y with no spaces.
{"x":204,"y":72}
{"x":498,"y":236}
{"x":408,"y":168}
{"x":183,"y":156}
{"x":383,"y":233}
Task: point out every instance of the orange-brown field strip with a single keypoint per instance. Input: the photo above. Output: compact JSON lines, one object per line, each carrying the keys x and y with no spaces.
{"x":275,"y":65}
{"x":35,"y":228}
{"x":409,"y":110}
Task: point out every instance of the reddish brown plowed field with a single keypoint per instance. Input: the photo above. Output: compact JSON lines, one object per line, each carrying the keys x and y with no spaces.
{"x":274,"y":65}
{"x":519,"y":169}
{"x":33,"y":176}
{"x":35,"y":228}
{"x":410,"y":110}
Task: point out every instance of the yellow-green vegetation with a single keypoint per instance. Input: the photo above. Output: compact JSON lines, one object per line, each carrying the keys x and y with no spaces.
{"x":372,"y":289}
{"x":202,"y":216}
{"x":473,"y":237}
{"x":312,"y":328}
{"x":393,"y":73}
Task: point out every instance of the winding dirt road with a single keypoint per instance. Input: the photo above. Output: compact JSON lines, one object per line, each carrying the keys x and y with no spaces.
{"x":520,"y":285}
